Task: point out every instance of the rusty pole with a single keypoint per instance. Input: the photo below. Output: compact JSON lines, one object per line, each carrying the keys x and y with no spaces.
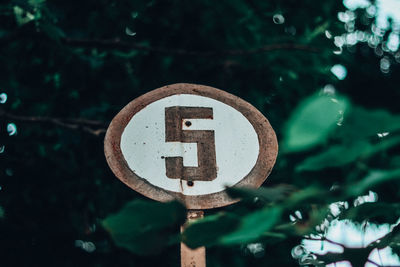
{"x":193,"y":257}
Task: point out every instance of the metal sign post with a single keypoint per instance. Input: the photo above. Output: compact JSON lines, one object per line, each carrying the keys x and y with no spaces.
{"x":193,"y":257}
{"x":189,"y":142}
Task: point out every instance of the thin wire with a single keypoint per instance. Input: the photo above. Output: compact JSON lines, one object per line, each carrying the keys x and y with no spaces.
{"x":380,"y":258}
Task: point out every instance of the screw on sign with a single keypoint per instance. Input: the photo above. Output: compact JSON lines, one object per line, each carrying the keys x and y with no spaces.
{"x":189,"y":142}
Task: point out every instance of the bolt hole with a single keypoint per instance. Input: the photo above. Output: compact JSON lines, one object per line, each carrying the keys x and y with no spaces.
{"x":188,"y":123}
{"x":190,"y":183}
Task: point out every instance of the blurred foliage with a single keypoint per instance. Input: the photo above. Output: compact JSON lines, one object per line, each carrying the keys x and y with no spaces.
{"x":312,"y":122}
{"x":68,"y":67}
{"x":145,"y":227}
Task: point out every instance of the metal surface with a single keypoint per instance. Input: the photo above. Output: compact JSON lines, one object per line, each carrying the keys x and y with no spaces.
{"x":193,"y":257}
{"x":206,"y":169}
{"x":187,"y":142}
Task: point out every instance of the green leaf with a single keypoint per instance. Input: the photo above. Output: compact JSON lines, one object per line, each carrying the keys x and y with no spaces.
{"x":269,"y":194}
{"x":312,"y":121}
{"x":385,"y":144}
{"x":374,"y":178}
{"x":366,"y":123}
{"x":317,"y":31}
{"x":145,"y":227}
{"x":127,"y":55}
{"x":208,"y":231}
{"x":53,"y":32}
{"x":22,"y":17}
{"x":36,"y":3}
{"x":343,"y":154}
{"x":307,"y":225}
{"x":253,"y":226}
{"x":310,"y":194}
{"x":377,"y":212}
{"x":334,"y":156}
{"x":229,"y":229}
{"x":396,"y":247}
{"x":391,"y":239}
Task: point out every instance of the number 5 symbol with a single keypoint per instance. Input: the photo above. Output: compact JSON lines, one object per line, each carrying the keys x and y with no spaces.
{"x":205,"y":139}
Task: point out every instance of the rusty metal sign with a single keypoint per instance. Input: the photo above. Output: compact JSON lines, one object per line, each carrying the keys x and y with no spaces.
{"x":189,"y":142}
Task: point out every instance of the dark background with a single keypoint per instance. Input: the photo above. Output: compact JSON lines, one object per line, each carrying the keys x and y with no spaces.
{"x":68,"y":67}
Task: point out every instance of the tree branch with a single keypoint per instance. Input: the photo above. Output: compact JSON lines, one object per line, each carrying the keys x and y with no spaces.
{"x":90,"y":126}
{"x":325,"y":239}
{"x":377,"y":264}
{"x":119,"y":44}
{"x":358,"y":256}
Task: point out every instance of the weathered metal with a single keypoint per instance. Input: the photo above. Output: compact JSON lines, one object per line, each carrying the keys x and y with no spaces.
{"x":224,"y":140}
{"x":192,"y":257}
{"x":205,"y":140}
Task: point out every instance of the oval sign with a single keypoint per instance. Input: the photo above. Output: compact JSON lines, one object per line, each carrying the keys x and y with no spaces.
{"x":189,"y":142}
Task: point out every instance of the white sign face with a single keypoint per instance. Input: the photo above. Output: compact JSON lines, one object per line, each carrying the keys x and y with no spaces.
{"x":190,"y":142}
{"x":145,"y":149}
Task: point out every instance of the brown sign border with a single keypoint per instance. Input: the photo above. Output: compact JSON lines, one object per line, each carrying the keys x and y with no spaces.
{"x":263,"y":167}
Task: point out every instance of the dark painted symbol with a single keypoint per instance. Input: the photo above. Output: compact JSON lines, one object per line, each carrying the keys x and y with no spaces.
{"x":205,"y":139}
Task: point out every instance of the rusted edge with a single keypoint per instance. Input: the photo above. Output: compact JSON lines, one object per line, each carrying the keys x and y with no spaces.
{"x":263,"y":167}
